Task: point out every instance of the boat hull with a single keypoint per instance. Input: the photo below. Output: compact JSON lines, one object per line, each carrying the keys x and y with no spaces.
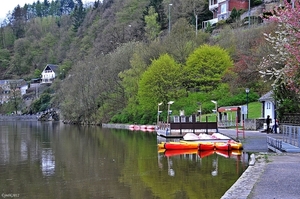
{"x":206,"y":146}
{"x":180,"y":145}
{"x":236,"y":145}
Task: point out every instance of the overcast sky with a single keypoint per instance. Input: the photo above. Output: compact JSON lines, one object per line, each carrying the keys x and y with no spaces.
{"x":9,"y":5}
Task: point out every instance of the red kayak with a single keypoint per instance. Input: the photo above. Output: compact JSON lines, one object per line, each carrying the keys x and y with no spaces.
{"x":206,"y":146}
{"x":180,"y":145}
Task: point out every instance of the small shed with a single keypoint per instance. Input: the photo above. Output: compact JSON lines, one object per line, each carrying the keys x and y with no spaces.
{"x":229,"y":115}
{"x":268,"y":106}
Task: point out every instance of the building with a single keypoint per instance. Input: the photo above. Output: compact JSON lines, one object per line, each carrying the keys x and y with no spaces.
{"x":221,"y":9}
{"x":7,"y":86}
{"x":49,"y":73}
{"x":268,"y":106}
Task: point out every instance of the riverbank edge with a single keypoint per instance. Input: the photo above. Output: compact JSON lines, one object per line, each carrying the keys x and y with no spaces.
{"x":115,"y":126}
{"x":8,"y":118}
{"x":243,"y":187}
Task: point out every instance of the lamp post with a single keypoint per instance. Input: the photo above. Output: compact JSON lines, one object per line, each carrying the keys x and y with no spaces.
{"x":247,"y":92}
{"x":216,"y":103}
{"x":158,"y":112}
{"x":249,"y":15}
{"x":169,"y":103}
{"x":275,"y":115}
{"x":170,"y":17}
{"x":199,"y":111}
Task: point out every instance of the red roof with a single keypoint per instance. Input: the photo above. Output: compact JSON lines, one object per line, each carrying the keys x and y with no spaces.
{"x":226,"y":109}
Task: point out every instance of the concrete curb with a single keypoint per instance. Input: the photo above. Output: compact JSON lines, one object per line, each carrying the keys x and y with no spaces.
{"x":242,"y":188}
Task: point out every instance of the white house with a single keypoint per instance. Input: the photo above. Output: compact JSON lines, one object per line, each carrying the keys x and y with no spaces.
{"x":6,"y":87}
{"x":49,"y":73}
{"x":221,"y":9}
{"x":268,"y":106}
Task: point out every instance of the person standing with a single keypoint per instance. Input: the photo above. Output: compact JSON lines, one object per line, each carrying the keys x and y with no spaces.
{"x":274,"y":127}
{"x":268,"y":121}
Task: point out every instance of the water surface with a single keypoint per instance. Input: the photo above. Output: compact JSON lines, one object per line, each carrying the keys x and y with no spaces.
{"x":53,"y":160}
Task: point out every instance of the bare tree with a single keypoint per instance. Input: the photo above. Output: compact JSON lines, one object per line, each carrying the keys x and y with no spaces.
{"x":15,"y":94}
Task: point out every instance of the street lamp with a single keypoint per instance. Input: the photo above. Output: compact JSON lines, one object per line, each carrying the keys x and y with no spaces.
{"x":199,"y":111}
{"x":170,"y":17}
{"x":158,"y":112}
{"x":247,"y":92}
{"x":169,"y":103}
{"x":249,"y":15}
{"x":216,"y":103}
{"x":275,"y":115}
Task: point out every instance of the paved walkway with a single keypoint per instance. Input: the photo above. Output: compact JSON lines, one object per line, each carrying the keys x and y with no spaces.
{"x":273,"y":176}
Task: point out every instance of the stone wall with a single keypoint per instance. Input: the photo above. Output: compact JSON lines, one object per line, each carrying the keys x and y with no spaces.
{"x":290,"y":119}
{"x":115,"y":126}
{"x":267,"y":5}
{"x":254,"y":124}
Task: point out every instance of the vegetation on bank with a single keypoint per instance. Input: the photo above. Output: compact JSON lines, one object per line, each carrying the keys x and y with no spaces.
{"x":118,"y":60}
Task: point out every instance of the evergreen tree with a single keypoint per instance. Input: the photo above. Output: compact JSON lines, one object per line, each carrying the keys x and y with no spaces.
{"x":152,"y":27}
{"x":78,"y":15}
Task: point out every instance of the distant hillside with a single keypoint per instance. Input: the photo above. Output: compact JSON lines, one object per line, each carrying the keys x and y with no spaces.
{"x":103,"y":51}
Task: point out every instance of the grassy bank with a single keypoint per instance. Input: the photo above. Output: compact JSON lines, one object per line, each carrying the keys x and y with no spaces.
{"x":254,"y":112}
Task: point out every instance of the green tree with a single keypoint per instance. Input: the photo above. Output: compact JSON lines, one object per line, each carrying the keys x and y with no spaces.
{"x":161,"y":82}
{"x":15,"y":94}
{"x":235,"y":14}
{"x":4,"y":59}
{"x":182,"y":40}
{"x":17,"y":21}
{"x":152,"y":27}
{"x":37,"y":73}
{"x":45,"y":8}
{"x":78,"y":15}
{"x":205,"y":67}
{"x":140,"y":61}
{"x":38,"y":9}
{"x":7,"y":37}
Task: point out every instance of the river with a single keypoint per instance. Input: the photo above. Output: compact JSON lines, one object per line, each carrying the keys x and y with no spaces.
{"x":53,"y":160}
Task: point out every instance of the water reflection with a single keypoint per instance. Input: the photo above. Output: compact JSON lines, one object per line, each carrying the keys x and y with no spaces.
{"x":198,"y":156}
{"x":171,"y":171}
{"x":215,"y":167}
{"x":52,"y":160}
{"x":48,"y":162}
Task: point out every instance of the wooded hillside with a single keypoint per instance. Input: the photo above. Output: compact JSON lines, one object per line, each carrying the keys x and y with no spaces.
{"x":108,"y":53}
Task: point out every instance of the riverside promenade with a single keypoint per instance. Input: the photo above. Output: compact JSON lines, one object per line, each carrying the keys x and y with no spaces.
{"x":273,"y":176}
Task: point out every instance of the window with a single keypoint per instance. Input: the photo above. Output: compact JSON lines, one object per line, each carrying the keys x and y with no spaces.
{"x":223,"y":8}
{"x":268,"y":105}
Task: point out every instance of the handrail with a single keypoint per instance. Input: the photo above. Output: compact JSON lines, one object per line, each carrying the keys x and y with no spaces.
{"x":290,"y":134}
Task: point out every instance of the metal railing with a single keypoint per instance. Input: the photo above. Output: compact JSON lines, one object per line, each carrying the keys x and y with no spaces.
{"x":226,"y":123}
{"x":274,"y":143}
{"x":291,"y":134}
